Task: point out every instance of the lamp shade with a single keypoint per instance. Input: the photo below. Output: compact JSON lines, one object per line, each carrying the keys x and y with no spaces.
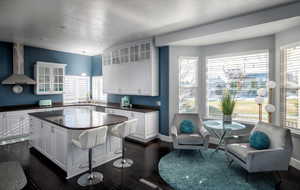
{"x":261,"y":92}
{"x":259,"y":99}
{"x":271,"y":84}
{"x":270,"y":108}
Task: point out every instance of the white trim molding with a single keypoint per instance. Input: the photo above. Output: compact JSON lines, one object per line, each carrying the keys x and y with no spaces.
{"x":165,"y":138}
{"x":295,"y":163}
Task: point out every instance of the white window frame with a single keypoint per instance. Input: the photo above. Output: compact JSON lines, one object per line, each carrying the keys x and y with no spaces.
{"x":103,"y":96}
{"x":197,"y":82}
{"x":230,"y":55}
{"x":76,"y":98}
{"x":280,"y":104}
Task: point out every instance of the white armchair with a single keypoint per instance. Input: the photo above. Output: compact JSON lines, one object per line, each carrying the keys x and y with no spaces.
{"x":195,"y":141}
{"x":276,"y":158}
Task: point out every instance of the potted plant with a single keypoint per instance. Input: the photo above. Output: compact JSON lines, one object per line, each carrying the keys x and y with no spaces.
{"x":227,"y":106}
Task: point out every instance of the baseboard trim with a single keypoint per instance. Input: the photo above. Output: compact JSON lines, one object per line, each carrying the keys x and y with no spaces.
{"x":165,"y":138}
{"x":295,"y":163}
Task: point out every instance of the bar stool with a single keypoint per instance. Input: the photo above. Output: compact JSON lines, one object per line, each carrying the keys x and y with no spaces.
{"x":88,"y":140}
{"x":121,"y":131}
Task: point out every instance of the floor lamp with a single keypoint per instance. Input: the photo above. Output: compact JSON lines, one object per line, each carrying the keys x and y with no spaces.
{"x":259,"y":100}
{"x":270,"y":108}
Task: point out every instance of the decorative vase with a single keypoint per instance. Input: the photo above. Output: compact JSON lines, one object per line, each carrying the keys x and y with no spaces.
{"x":227,"y":118}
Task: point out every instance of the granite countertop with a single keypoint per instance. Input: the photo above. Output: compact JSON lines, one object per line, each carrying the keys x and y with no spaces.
{"x":79,"y":119}
{"x":135,"y":108}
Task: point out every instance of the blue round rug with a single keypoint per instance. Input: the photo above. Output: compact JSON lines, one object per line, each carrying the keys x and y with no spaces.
{"x":187,"y":170}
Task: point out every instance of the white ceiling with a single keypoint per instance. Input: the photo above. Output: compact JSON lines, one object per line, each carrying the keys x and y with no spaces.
{"x":90,"y":26}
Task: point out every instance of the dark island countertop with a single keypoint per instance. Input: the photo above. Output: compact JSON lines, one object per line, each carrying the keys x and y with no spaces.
{"x":135,"y":108}
{"x":79,"y":119}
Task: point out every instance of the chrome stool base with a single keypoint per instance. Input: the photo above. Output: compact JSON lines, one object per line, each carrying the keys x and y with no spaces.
{"x":90,"y":179}
{"x":123,"y":163}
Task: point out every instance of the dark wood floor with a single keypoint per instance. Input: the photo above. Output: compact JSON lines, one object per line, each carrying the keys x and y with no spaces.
{"x":44,"y":175}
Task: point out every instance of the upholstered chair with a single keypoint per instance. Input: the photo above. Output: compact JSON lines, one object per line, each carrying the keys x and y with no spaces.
{"x":195,"y":141}
{"x":275,"y":158}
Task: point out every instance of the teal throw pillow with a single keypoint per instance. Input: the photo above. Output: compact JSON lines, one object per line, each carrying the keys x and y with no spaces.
{"x":187,"y":126}
{"x":259,"y":140}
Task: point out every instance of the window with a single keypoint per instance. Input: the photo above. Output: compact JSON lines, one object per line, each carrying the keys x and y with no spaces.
{"x":188,"y":84}
{"x":242,"y":74}
{"x":290,"y":94}
{"x":76,"y":89}
{"x":97,"y":92}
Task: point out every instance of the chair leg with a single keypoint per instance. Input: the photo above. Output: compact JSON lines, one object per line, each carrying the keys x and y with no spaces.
{"x":201,"y":154}
{"x":123,"y":162}
{"x":90,"y":161}
{"x":90,"y":178}
{"x":179,"y":153}
{"x":247,"y":176}
{"x":230,"y":163}
{"x":278,"y":185}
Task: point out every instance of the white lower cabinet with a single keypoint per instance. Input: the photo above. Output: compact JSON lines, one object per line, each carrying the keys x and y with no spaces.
{"x":49,"y":140}
{"x":60,"y":146}
{"x":147,"y":128}
{"x":3,"y":131}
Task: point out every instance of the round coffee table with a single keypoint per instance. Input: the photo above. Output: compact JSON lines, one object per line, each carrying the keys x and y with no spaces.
{"x":214,"y":126}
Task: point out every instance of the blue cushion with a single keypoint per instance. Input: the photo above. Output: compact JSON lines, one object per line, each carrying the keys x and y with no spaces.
{"x":187,"y":126}
{"x":259,"y":140}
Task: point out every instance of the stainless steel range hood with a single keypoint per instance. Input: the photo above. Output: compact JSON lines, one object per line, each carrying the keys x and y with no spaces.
{"x":18,"y":76}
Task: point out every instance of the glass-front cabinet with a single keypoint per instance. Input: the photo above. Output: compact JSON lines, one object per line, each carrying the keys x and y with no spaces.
{"x":49,"y":77}
{"x":131,"y":69}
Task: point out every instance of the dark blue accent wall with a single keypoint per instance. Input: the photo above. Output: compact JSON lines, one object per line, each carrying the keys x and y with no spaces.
{"x":96,"y":65}
{"x":76,"y":64}
{"x":163,"y":90}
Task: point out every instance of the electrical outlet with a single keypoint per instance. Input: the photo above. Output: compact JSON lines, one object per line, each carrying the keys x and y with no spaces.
{"x":158,"y":103}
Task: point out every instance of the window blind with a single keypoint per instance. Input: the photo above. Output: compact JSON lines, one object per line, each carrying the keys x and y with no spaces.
{"x":188,"y":85}
{"x":290,"y":85}
{"x":76,"y":88}
{"x":242,"y":74}
{"x":97,"y":90}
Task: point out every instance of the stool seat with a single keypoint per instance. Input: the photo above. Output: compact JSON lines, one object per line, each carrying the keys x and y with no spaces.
{"x":121,"y":131}
{"x":12,"y":176}
{"x":88,"y":140}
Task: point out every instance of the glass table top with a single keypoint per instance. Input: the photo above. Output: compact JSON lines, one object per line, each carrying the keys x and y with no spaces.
{"x":218,"y":124}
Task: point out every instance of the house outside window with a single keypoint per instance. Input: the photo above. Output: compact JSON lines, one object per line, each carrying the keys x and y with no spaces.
{"x":188,"y":84}
{"x":242,"y":74}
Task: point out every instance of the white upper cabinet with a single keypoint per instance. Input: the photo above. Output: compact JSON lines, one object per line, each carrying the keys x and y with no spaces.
{"x":131,"y":69}
{"x":49,"y":77}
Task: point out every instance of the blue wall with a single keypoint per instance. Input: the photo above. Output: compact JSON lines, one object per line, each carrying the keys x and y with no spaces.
{"x":151,"y":100}
{"x":76,"y":64}
{"x":96,"y":65}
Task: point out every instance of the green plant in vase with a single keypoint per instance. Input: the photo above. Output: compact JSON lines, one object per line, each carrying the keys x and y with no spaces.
{"x":227,"y":106}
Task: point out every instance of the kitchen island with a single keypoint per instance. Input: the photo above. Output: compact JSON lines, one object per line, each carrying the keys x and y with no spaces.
{"x":51,"y":134}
